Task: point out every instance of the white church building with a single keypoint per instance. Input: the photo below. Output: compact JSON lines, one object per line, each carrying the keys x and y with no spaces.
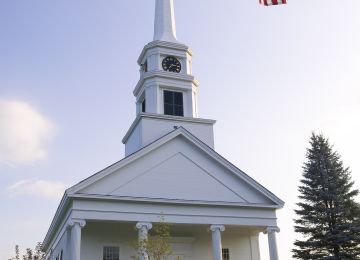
{"x":170,"y":169}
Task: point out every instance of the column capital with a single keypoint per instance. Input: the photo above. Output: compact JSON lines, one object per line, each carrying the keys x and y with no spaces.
{"x":214,"y":228}
{"x":80,"y":222}
{"x":143,"y":225}
{"x":270,"y":230}
{"x":216,"y":240}
{"x":74,"y":227}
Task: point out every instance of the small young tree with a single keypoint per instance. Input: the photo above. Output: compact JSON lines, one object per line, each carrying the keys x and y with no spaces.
{"x":30,"y":254}
{"x":328,"y":216}
{"x":157,"y":245}
{"x":17,"y":254}
{"x":39,"y":254}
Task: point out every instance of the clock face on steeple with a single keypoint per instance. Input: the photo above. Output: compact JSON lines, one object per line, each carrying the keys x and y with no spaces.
{"x":171,"y":64}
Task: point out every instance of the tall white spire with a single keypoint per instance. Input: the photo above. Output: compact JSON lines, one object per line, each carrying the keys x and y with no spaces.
{"x":165,"y":29}
{"x":166,"y":94}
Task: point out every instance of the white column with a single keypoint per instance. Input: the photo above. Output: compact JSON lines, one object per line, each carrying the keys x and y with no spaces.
{"x":271,"y":232}
{"x":254,"y":245}
{"x":143,"y":229}
{"x":164,"y":28}
{"x":216,"y":240}
{"x":75,"y":226}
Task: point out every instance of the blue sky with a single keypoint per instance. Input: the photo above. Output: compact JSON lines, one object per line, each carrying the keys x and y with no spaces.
{"x":269,"y":76}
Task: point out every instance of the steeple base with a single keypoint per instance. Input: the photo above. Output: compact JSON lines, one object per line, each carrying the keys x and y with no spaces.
{"x":147,"y":128}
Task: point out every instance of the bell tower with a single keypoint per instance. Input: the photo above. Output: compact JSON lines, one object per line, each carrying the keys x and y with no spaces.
{"x":166,"y":94}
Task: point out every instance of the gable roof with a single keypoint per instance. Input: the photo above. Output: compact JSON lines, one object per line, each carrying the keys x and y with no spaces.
{"x":179,"y":131}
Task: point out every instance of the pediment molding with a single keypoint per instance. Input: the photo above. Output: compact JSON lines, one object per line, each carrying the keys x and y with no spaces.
{"x":276,"y":202}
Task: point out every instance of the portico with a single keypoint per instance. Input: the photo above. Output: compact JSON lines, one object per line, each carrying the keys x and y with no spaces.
{"x":198,"y":242}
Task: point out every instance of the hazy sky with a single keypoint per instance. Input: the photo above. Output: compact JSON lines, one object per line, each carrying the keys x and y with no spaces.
{"x":269,"y":76}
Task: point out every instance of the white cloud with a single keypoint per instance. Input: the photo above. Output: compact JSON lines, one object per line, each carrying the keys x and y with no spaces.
{"x":51,"y":190}
{"x":24,"y":133}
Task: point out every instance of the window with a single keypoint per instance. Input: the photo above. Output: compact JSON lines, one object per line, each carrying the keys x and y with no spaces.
{"x":111,"y":253}
{"x":143,"y":106}
{"x":61,"y":255}
{"x":225,"y":254}
{"x":144,"y":67}
{"x":173,"y":103}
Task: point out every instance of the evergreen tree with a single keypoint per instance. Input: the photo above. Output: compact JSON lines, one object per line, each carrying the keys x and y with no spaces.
{"x":328,"y":215}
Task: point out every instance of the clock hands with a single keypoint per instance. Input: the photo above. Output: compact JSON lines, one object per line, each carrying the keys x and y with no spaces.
{"x":171,"y":64}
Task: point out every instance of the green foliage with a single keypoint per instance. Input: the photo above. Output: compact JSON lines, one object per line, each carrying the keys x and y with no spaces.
{"x":156,"y":246}
{"x":36,"y":254}
{"x":328,"y":215}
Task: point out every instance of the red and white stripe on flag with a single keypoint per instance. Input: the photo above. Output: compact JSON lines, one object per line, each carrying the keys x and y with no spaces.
{"x":272,"y":2}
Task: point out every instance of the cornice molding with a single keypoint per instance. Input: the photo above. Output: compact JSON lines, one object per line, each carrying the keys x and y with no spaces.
{"x":164,"y":75}
{"x":60,"y":211}
{"x":141,"y":200}
{"x":164,"y":44}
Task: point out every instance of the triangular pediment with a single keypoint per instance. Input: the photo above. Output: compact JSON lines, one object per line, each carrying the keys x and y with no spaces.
{"x":175,"y":168}
{"x":177,"y":178}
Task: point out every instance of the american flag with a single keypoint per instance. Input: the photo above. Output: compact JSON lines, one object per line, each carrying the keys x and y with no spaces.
{"x":272,"y":2}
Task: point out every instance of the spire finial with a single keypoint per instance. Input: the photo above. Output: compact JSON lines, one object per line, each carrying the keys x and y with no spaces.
{"x":165,"y":29}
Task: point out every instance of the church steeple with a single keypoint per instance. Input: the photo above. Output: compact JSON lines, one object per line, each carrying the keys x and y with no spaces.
{"x":164,"y":27}
{"x":166,"y":94}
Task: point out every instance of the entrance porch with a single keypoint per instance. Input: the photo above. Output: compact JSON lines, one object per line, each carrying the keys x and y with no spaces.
{"x":188,"y":242}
